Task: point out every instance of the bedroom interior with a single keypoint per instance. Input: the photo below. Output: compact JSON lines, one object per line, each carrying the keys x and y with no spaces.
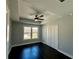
{"x":39,"y":29}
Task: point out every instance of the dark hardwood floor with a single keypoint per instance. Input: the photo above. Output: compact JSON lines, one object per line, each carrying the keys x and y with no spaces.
{"x":35,"y":51}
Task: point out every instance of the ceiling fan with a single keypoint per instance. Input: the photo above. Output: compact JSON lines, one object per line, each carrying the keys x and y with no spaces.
{"x":38,"y":17}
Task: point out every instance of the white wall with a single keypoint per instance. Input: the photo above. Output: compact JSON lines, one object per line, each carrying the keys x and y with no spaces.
{"x":8,"y":29}
{"x":65,"y":33}
{"x":8,"y":25}
{"x":14,"y":9}
{"x":17,"y":33}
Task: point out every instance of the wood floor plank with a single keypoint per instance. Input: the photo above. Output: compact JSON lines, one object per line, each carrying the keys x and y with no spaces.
{"x":35,"y":51}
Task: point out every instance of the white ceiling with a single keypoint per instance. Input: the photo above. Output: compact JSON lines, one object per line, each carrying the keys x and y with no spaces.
{"x":53,"y":8}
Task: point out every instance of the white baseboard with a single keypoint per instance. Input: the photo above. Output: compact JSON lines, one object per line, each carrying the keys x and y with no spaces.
{"x":10,"y":49}
{"x":25,"y":43}
{"x":20,"y":45}
{"x":61,"y":51}
{"x":8,"y":52}
{"x":44,"y":43}
{"x":65,"y":53}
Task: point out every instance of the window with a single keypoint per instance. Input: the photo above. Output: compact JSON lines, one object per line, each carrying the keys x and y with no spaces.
{"x":34,"y":32}
{"x":27,"y":32}
{"x":30,"y":33}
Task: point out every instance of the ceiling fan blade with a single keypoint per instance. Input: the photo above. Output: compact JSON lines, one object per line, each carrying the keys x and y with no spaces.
{"x":42,"y":16}
{"x":41,"y":19}
{"x":36,"y":16}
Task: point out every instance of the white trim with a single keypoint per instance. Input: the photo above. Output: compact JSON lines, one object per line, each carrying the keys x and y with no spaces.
{"x":60,"y":51}
{"x":56,"y":35}
{"x":43,"y":43}
{"x":9,"y":50}
{"x":21,"y":44}
{"x":25,"y":43}
{"x":65,"y":53}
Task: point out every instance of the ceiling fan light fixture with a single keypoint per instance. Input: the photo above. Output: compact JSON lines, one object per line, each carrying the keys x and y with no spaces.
{"x":36,"y":20}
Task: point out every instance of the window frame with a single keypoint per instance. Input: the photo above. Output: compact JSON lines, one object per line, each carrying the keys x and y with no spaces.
{"x":32,"y":33}
{"x":25,"y":33}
